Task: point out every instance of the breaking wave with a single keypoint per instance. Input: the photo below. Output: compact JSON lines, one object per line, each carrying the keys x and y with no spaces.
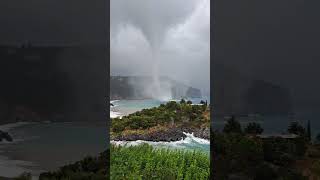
{"x":190,"y":142}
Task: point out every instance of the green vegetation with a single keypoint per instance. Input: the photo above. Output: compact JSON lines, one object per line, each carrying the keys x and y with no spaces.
{"x":245,"y":155}
{"x":296,"y":128}
{"x":253,"y":128}
{"x":146,"y":163}
{"x":318,"y":138}
{"x":232,"y":126}
{"x":94,"y":168}
{"x":171,"y":113}
{"x":135,"y":162}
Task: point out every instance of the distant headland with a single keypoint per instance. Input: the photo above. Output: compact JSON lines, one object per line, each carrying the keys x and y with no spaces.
{"x":135,"y":87}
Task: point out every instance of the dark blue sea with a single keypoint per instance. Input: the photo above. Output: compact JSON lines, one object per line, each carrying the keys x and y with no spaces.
{"x":277,"y":123}
{"x":44,"y":146}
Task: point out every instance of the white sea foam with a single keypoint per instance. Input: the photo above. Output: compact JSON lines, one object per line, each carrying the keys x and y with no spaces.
{"x":115,"y":114}
{"x":196,"y":139}
{"x":113,"y":101}
{"x":190,"y":140}
{"x":8,"y":127}
{"x":12,"y":168}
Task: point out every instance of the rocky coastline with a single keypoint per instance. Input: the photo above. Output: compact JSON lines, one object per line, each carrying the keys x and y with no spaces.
{"x":168,"y":135}
{"x":6,"y":136}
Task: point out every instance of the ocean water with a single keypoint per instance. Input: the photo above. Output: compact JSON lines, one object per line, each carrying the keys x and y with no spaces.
{"x":189,"y":143}
{"x":39,"y":147}
{"x":125,"y":107}
{"x":277,"y":124}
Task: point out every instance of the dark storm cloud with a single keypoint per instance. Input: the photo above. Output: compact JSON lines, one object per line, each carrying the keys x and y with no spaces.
{"x":178,"y":32}
{"x":277,"y":41}
{"x":46,"y":21}
{"x":77,"y":23}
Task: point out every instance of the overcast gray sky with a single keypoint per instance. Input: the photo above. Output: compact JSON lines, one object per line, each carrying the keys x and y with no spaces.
{"x":176,"y":31}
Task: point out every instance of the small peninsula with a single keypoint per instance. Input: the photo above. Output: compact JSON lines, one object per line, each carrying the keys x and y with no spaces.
{"x":168,"y":122}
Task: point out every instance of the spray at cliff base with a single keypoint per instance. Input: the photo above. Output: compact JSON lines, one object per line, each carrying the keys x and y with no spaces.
{"x":189,"y":143}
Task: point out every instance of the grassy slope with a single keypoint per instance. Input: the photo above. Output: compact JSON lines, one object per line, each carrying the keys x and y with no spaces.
{"x":145,"y":162}
{"x":136,"y":162}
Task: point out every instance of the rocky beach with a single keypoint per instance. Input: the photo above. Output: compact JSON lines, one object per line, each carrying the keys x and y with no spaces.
{"x":169,"y":135}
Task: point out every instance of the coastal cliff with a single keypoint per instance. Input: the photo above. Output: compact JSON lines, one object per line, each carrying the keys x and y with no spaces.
{"x":56,"y":83}
{"x":235,"y":93}
{"x":135,"y":87}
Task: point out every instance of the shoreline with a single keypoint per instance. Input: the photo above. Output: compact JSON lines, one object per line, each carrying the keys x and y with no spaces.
{"x":14,"y":160}
{"x":171,"y":134}
{"x":190,"y":142}
{"x":166,"y":132}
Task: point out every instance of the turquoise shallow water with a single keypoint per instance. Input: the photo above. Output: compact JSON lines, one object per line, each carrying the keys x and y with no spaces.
{"x":125,"y":107}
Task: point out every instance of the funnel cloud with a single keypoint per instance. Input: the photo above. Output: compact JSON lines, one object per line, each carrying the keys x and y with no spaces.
{"x":161,"y":38}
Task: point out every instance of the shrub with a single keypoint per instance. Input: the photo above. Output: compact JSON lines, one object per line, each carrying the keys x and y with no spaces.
{"x":96,"y":168}
{"x":296,"y":128}
{"x":232,"y":126}
{"x":253,"y":128}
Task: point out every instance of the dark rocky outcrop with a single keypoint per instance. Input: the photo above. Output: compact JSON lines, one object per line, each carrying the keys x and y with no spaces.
{"x":193,"y":93}
{"x":202,"y":133}
{"x":169,"y":135}
{"x":235,"y":93}
{"x":6,"y":136}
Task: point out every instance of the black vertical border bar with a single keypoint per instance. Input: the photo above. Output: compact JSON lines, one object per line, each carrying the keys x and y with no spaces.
{"x":107,"y":95}
{"x":212,"y":55}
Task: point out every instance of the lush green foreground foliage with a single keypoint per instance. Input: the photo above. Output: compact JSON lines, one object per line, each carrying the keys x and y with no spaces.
{"x":133,"y":163}
{"x":240,"y":153}
{"x":146,"y":163}
{"x":136,"y":162}
{"x":90,"y":168}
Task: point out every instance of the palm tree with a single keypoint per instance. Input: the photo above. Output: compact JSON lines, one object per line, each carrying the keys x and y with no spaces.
{"x":232,"y":126}
{"x":309,"y":131}
{"x":318,"y":138}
